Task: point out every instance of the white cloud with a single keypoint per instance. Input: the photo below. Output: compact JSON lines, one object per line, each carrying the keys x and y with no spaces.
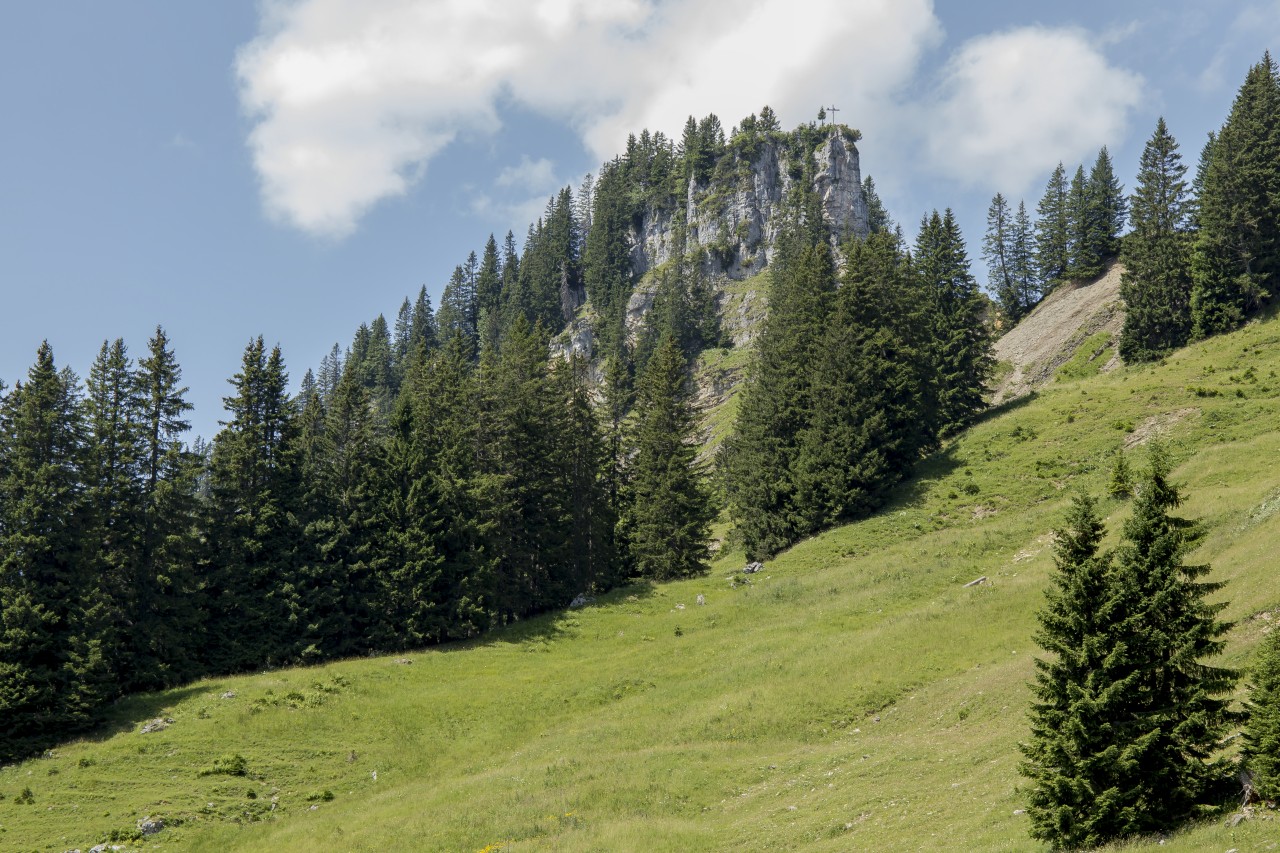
{"x":533,"y":175}
{"x":352,"y":99}
{"x":1012,"y":104}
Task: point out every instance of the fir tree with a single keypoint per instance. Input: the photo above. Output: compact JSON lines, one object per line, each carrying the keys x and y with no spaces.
{"x":53,"y":667}
{"x":777,"y":403}
{"x":1237,"y":248}
{"x":1053,"y":230}
{"x":867,"y":429}
{"x":669,"y":510}
{"x":960,"y":348}
{"x":1156,"y":285}
{"x":253,"y":524}
{"x":1261,"y":752}
{"x":1022,"y":260}
{"x":1080,"y":265}
{"x":1071,"y":746}
{"x":997,"y":251}
{"x":878,"y":219}
{"x":1128,"y":717}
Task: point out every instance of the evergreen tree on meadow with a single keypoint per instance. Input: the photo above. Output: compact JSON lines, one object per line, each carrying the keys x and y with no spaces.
{"x":1236,"y":254}
{"x":1129,"y":717}
{"x":1053,"y":230}
{"x":669,"y":509}
{"x":253,"y":525}
{"x":776,"y":401}
{"x":165,"y":619}
{"x":1156,"y":285}
{"x":54,"y":669}
{"x":869,"y":390}
{"x":960,"y":346}
{"x":113,"y":497}
{"x":527,"y":466}
{"x":1261,"y":750}
{"x":438,"y":583}
{"x":336,"y":606}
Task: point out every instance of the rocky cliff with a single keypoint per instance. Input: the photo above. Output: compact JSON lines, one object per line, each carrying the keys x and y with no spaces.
{"x":737,"y":222}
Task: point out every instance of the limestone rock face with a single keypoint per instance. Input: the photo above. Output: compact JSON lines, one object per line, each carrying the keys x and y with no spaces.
{"x":738,"y":223}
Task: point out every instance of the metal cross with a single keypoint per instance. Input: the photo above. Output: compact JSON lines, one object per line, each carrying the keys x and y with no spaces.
{"x":833,"y":114}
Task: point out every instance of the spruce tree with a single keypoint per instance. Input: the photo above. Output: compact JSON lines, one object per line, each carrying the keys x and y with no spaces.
{"x":1053,"y":231}
{"x":1080,"y":265}
{"x":669,"y":509}
{"x":1156,"y":285}
{"x":1129,"y":717}
{"x":997,"y":251}
{"x":53,"y":667}
{"x":758,"y":460}
{"x":113,"y":498}
{"x":1261,"y":751}
{"x":254,"y":521}
{"x":878,"y":219}
{"x":1072,"y":746}
{"x":1237,"y":248}
{"x":1022,"y":260}
{"x":869,"y":390}
{"x":960,"y":347}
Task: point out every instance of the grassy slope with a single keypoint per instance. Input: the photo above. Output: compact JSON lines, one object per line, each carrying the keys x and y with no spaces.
{"x":853,"y":696}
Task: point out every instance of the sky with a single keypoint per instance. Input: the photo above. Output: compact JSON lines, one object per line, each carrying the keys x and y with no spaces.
{"x":292,"y":169}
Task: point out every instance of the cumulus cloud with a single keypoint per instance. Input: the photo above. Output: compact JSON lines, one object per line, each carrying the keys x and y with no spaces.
{"x":351,"y":100}
{"x":1011,"y":105}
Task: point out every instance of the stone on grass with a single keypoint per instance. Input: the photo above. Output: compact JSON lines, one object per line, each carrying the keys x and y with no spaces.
{"x":150,"y":825}
{"x":581,"y":600}
{"x":156,"y":725}
{"x":752,"y":568}
{"x":702,"y":599}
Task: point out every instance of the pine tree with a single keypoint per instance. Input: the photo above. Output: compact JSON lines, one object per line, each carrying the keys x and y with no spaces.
{"x":1071,"y":746}
{"x":253,"y":524}
{"x":489,"y":295}
{"x":337,"y":606}
{"x":1079,"y":264}
{"x":960,"y":349}
{"x":868,"y":426}
{"x":758,"y":460}
{"x":1107,"y":211}
{"x":1261,"y":751}
{"x":878,"y":219}
{"x":53,"y":666}
{"x":1022,"y":260}
{"x":459,"y":310}
{"x":669,"y":509}
{"x":1053,"y":231}
{"x":424,"y":332}
{"x":1156,"y":285}
{"x":113,"y":498}
{"x":1128,"y":717}
{"x":997,"y":251}
{"x":1237,"y":249}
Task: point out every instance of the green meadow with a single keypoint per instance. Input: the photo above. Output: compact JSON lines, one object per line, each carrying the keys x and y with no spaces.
{"x":853,"y":695}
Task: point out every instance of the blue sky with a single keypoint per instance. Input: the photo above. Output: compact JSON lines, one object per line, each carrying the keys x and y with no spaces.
{"x":292,"y":169}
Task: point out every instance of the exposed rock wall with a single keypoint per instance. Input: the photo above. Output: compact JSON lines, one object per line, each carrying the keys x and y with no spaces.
{"x":739,"y":224}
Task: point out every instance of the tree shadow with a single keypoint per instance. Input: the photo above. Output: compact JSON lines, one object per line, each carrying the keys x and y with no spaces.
{"x":550,"y":625}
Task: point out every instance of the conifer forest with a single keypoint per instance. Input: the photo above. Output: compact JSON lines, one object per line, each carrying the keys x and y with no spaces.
{"x":453,"y":470}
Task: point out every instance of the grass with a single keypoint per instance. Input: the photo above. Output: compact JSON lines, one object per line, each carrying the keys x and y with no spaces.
{"x":852,"y":696}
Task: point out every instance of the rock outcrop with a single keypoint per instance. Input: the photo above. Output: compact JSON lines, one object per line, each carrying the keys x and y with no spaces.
{"x":738,"y":223}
